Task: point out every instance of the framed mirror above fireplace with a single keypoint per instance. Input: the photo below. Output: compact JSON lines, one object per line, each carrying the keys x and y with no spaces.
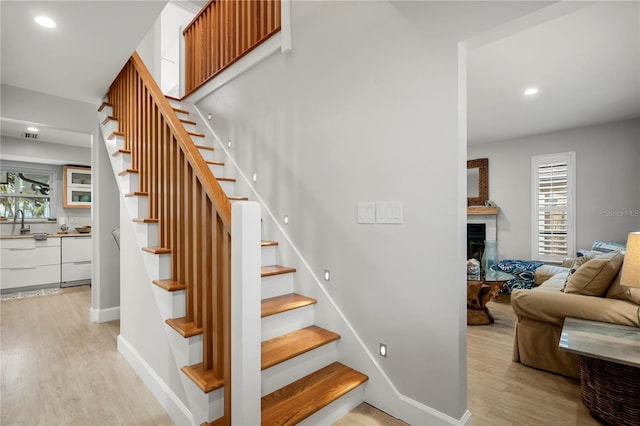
{"x":477,"y":181}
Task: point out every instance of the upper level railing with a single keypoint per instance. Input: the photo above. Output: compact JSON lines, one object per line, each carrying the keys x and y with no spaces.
{"x":223,"y":32}
{"x":192,"y":211}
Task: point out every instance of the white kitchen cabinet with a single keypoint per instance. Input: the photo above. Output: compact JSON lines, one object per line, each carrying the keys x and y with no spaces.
{"x":77,"y":187}
{"x":77,"y":252}
{"x":25,"y":262}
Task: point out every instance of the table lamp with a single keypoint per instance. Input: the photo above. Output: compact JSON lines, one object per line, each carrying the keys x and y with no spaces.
{"x":631,"y":267}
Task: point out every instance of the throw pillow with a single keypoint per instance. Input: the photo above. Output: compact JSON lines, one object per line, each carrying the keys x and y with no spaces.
{"x":594,"y":277}
{"x":606,"y":247}
{"x":577,"y":262}
{"x":617,"y":291}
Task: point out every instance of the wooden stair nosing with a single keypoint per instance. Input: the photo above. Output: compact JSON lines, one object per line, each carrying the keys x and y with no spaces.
{"x":283,"y":348}
{"x":185,"y":328}
{"x":127,"y":171}
{"x":173,"y":98}
{"x":268,"y":243}
{"x":295,"y":402}
{"x":216,"y":422}
{"x":146,"y":220}
{"x":180,"y":110}
{"x":196,"y":134}
{"x":157,"y":250}
{"x":169,"y":285}
{"x":226,"y":179}
{"x":137,"y":194}
{"x":286,"y":302}
{"x":103,"y":106}
{"x":238,"y":198}
{"x":208,"y":148}
{"x":115,"y":135}
{"x":271,"y":270}
{"x":185,"y":121}
{"x":205,"y":380}
{"x":121,"y":151}
{"x":214,"y":162}
{"x":108,"y":119}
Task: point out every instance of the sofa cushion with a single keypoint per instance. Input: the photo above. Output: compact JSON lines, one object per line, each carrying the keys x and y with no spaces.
{"x":618,"y":291}
{"x":595,"y":276}
{"x":577,"y":262}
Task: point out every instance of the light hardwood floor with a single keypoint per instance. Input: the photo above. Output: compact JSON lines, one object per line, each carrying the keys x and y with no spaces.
{"x":59,"y":368}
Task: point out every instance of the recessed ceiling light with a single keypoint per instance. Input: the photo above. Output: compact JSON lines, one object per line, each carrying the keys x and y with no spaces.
{"x":45,"y":21}
{"x":32,"y":129}
{"x":531,"y":91}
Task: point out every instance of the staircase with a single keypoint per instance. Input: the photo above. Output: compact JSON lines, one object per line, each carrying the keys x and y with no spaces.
{"x":301,"y":379}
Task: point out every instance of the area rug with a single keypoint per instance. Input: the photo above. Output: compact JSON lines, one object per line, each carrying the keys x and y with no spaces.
{"x":31,"y":293}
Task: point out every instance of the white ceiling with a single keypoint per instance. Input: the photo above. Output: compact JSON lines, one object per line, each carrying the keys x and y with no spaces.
{"x":585,"y":63}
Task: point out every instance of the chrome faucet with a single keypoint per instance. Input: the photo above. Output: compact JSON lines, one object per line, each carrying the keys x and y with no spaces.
{"x":23,"y":230}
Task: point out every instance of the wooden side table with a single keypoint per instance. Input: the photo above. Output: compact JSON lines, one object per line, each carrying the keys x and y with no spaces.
{"x":609,"y":368}
{"x":479,"y":292}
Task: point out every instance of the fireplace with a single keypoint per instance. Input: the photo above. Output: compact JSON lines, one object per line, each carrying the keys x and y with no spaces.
{"x":476,"y":234}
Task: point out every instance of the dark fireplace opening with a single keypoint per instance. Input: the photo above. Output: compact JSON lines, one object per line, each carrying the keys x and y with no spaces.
{"x":476,"y":234}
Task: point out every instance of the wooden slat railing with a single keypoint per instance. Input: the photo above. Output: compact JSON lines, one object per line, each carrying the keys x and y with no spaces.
{"x":223,"y":32}
{"x":193,"y":212}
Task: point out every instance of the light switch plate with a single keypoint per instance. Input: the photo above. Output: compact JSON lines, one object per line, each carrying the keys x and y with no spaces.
{"x":367,"y":212}
{"x":389,"y":212}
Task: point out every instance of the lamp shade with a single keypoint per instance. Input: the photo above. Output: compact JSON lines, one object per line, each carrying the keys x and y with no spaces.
{"x":631,"y":267}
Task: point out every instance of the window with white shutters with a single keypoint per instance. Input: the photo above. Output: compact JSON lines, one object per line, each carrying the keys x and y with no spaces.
{"x":553,"y":220}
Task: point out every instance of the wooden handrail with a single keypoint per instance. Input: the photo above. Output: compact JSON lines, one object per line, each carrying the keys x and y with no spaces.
{"x":192,"y":210}
{"x":222,"y":33}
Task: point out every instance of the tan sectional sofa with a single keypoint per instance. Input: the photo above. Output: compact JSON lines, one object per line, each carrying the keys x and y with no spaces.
{"x":541,"y":311}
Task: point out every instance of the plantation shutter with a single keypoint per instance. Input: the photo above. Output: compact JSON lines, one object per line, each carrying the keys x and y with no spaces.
{"x":553,"y":221}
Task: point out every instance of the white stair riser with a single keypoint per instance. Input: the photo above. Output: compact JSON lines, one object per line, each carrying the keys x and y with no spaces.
{"x":286,"y":322}
{"x":216,"y":169}
{"x":147,"y":233}
{"x":205,"y":407}
{"x":229,"y":188}
{"x":137,"y":206}
{"x":182,"y":115}
{"x":190,"y":128}
{"x":276,"y":285}
{"x":186,"y":351}
{"x":129,"y":181}
{"x":296,"y":368}
{"x":122,"y":161}
{"x":110,"y":126}
{"x":171,"y":304}
{"x":268,"y":254}
{"x":338,"y":408}
{"x":174,"y":103}
{"x":158,"y":265}
{"x":207,"y":154}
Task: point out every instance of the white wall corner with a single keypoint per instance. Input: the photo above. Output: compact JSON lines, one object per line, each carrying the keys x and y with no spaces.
{"x":104,"y":315}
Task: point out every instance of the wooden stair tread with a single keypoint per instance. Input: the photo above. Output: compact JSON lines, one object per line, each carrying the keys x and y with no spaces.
{"x":146,"y":220}
{"x":205,"y":380}
{"x":180,"y":110}
{"x":115,"y":135}
{"x":268,"y":243}
{"x":196,"y":134}
{"x":214,"y":163}
{"x":282,"y":348}
{"x":297,"y":401}
{"x":127,"y":171}
{"x":104,"y":105}
{"x":173,"y":98}
{"x":169,"y":285}
{"x":156,"y":250}
{"x":237,"y":198}
{"x":185,"y":121}
{"x":209,"y":148}
{"x":136,"y":194}
{"x":109,"y":118}
{"x":284,"y":303}
{"x":270,"y":270}
{"x":226,"y":179}
{"x":183,"y":327}
{"x":121,"y":151}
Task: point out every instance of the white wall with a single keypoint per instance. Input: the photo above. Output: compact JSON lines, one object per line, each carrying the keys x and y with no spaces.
{"x":365,"y":108}
{"x":44,"y":152}
{"x":173,"y":18}
{"x":607,"y":174}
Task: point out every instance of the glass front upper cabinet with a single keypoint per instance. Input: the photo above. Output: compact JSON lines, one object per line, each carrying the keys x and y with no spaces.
{"x":77,"y":187}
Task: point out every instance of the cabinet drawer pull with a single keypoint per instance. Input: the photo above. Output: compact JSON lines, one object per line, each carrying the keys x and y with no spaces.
{"x":23,"y":268}
{"x":84,"y":262}
{"x":22,"y":248}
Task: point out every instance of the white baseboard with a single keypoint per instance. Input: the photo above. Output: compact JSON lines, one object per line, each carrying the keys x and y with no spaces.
{"x":176,"y":409}
{"x":104,"y":315}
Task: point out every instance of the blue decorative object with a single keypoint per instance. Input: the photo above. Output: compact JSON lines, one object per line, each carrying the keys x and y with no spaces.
{"x":522,"y":270}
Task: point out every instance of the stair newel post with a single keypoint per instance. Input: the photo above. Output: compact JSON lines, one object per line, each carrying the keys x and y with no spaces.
{"x":245,"y":314}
